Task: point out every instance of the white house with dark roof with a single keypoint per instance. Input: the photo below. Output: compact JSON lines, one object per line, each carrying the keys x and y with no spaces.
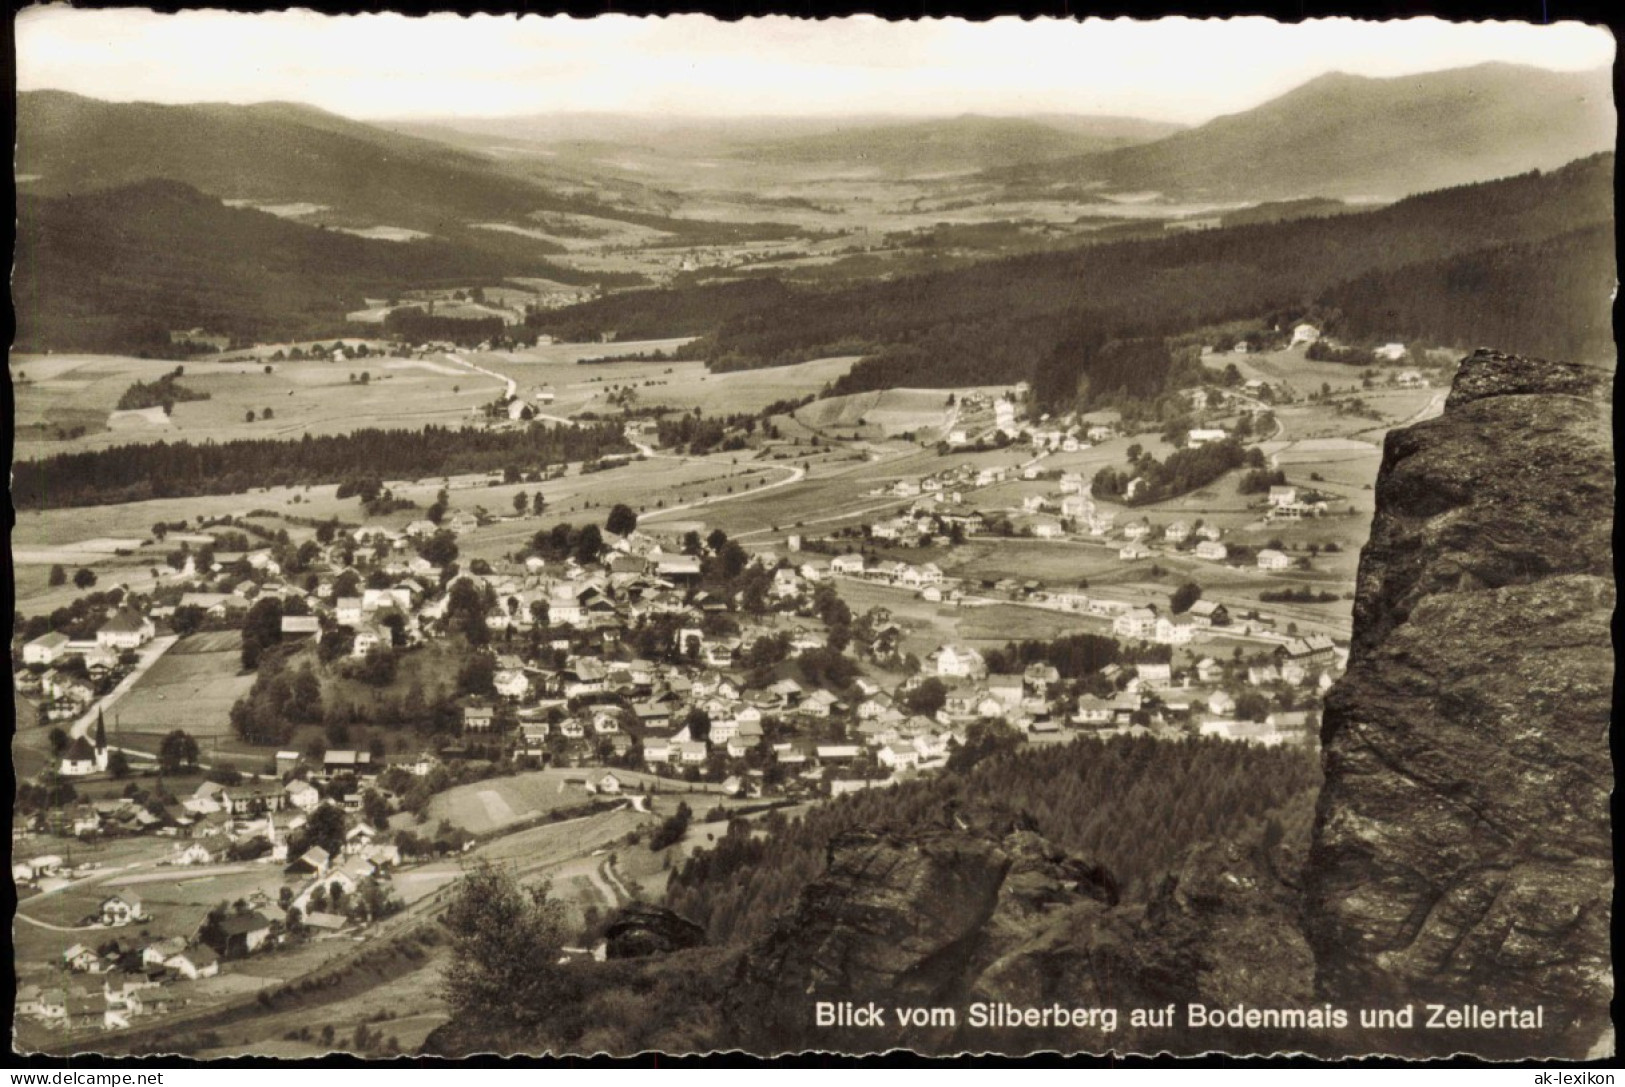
{"x":46,"y":649}
{"x":126,"y":630}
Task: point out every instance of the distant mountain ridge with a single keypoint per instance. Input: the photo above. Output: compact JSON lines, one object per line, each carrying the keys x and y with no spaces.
{"x":1352,"y":136}
{"x":965,"y":143}
{"x":271,"y":152}
{"x":274,"y":153}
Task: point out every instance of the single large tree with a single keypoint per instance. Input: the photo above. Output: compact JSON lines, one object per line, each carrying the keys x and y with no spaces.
{"x":589,"y":545}
{"x":177,"y":751}
{"x":505,"y":940}
{"x":622,"y":521}
{"x":262,"y":628}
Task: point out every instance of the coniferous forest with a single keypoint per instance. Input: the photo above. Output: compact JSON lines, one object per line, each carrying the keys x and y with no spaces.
{"x":134,"y":473}
{"x":1133,"y":804}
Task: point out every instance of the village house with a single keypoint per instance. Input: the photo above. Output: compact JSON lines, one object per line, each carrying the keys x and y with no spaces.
{"x":511,"y":683}
{"x":194,"y":963}
{"x":1094,"y":712}
{"x":1317,"y":650}
{"x":1154,"y":674}
{"x":126,"y":630}
{"x":1135,"y":623}
{"x":1175,"y":629}
{"x":1271,"y":559}
{"x":46,"y":649}
{"x":345,"y":760}
{"x":367,"y":639}
{"x":1212,"y":551}
{"x":849,"y":565}
{"x":122,"y":909}
{"x":478,"y":717}
{"x":301,"y":626}
{"x":1007,"y":688}
{"x":958,"y":662}
{"x":302,"y":795}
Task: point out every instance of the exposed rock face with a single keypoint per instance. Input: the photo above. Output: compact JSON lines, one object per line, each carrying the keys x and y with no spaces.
{"x":949,"y":918}
{"x":893,"y":919}
{"x":1462,"y":851}
{"x":640,"y":930}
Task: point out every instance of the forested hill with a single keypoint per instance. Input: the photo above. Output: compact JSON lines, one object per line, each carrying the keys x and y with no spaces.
{"x":1353,"y":136}
{"x":116,"y":269}
{"x":1008,"y":320}
{"x":274,"y":152}
{"x":353,"y":173}
{"x":1130,"y":804}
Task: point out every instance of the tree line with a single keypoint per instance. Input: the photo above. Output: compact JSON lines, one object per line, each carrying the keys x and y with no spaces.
{"x":164,"y":393}
{"x":133,"y":473}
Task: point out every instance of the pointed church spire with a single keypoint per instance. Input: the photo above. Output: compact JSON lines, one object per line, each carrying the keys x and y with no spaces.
{"x":101,"y":731}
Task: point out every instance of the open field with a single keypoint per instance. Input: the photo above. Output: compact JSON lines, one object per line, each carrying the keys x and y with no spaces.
{"x":889,"y":411}
{"x":315,"y":397}
{"x":485,"y":806}
{"x":680,"y":385}
{"x":191,"y":687}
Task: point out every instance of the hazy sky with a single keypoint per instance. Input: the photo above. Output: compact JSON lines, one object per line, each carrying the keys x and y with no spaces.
{"x":377,"y":66}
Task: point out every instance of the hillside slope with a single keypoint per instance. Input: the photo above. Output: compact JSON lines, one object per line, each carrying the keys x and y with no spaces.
{"x":1010,"y":320}
{"x":280,"y":153}
{"x":276,"y":153}
{"x":1353,"y":136}
{"x":116,"y":269}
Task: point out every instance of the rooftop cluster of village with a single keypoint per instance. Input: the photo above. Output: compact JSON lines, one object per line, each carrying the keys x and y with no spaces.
{"x":635,"y":654}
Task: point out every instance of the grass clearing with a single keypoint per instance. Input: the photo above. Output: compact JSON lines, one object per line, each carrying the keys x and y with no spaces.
{"x":191,"y":687}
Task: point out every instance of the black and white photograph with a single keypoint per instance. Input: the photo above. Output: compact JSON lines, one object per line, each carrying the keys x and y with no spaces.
{"x":553,"y":537}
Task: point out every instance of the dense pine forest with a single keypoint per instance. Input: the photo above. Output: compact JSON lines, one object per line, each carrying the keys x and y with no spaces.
{"x":650,"y":315}
{"x":1005,"y":320}
{"x":134,"y":473}
{"x":1132,"y":804}
{"x":1550,"y":299}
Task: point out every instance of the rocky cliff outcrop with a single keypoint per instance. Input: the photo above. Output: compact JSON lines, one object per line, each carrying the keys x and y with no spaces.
{"x":1462,"y":853}
{"x":983,"y":915}
{"x":639,"y":930}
